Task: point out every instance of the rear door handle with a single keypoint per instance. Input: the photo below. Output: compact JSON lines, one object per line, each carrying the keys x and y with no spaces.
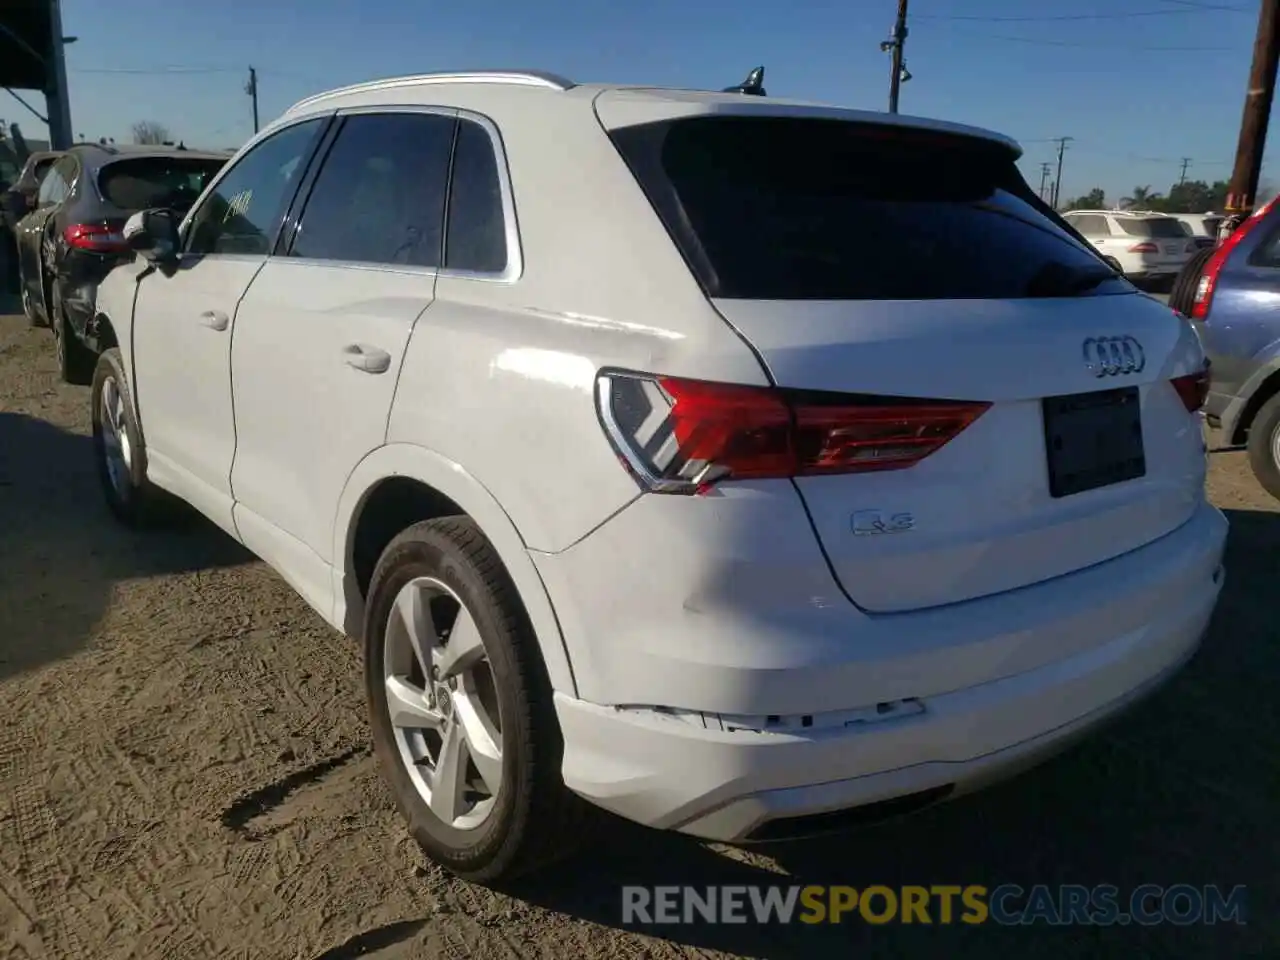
{"x":215,"y":320}
{"x":365,"y":358}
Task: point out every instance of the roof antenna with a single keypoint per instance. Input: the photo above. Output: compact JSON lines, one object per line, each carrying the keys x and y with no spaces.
{"x":753,"y":86}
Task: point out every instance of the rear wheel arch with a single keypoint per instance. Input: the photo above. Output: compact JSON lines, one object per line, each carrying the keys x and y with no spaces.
{"x":1265,"y":391}
{"x":399,"y":485}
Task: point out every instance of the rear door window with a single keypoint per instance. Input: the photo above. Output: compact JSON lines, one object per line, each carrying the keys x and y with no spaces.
{"x":379,"y":198}
{"x":812,"y":209}
{"x":1158,"y":228}
{"x":57,"y":185}
{"x":141,"y":183}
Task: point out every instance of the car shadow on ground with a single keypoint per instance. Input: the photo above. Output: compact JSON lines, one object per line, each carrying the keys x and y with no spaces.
{"x":61,"y":552}
{"x":1181,"y":790}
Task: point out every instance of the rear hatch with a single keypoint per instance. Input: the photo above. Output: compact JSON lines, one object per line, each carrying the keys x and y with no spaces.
{"x":871,"y":261}
{"x":1158,"y":240}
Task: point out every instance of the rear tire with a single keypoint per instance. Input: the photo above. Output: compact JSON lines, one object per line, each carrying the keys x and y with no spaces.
{"x":29,"y":308}
{"x":448,"y":568}
{"x":76,"y":362}
{"x":1264,"y":446}
{"x":1182,"y":296}
{"x":118,"y":448}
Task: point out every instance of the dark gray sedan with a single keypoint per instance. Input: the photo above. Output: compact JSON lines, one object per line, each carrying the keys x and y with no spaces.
{"x":72,"y":239}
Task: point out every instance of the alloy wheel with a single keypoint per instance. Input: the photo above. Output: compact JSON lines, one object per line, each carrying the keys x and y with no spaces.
{"x":117,"y":450}
{"x":443,"y":703}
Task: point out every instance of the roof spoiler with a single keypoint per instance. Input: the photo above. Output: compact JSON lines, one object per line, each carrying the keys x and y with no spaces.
{"x":753,"y":86}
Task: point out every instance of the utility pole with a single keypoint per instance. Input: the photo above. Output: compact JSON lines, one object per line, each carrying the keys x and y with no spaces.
{"x":1062,"y":148}
{"x":1044,"y":178}
{"x":1182,"y":177}
{"x":251,"y":88}
{"x":1242,"y":193}
{"x":895,"y":43}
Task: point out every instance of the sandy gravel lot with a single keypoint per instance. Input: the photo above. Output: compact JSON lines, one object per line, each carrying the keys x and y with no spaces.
{"x":185,"y":771}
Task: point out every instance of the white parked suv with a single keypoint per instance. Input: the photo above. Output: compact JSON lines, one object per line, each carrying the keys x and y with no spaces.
{"x":1142,"y":244}
{"x":641,"y":478}
{"x":1201,"y":227}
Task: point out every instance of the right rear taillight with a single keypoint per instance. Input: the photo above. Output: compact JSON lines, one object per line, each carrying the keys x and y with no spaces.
{"x":1213,"y":266}
{"x":682,"y":436}
{"x":1146,"y":247}
{"x":95,"y":238}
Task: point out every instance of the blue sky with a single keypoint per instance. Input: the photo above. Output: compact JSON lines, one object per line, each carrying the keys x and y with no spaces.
{"x":1139,"y":84}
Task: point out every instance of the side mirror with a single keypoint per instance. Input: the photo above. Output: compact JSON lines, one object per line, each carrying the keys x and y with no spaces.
{"x":154,"y":234}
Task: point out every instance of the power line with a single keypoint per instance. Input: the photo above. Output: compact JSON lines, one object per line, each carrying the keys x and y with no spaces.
{"x":1198,"y":5}
{"x":156,"y":71}
{"x":1107,"y":46}
{"x":1058,"y":18}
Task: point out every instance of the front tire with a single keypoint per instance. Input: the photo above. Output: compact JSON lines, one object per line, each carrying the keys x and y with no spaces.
{"x":118,"y":448}
{"x":461,"y":710}
{"x":1264,"y":446}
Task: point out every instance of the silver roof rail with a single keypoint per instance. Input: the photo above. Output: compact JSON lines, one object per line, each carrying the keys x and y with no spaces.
{"x":526,"y":78}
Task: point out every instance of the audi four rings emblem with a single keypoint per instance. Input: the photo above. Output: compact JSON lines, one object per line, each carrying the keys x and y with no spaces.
{"x":1112,"y":356}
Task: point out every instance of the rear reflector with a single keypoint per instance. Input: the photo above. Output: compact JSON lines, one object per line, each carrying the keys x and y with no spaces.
{"x":682,"y":436}
{"x":1144,"y":248}
{"x":1193,"y":389}
{"x":95,"y":238}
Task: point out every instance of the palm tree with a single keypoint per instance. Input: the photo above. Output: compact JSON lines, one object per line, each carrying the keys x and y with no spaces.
{"x":1141,"y":198}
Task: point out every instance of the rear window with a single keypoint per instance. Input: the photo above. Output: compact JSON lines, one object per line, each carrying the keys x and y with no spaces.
{"x":1160,"y":228}
{"x":799,"y":209}
{"x":141,"y":183}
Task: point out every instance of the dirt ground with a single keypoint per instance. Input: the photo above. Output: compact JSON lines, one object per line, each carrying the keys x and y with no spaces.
{"x":185,"y":770}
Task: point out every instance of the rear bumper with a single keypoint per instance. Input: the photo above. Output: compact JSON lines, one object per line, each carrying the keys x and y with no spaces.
{"x":1132,"y":622}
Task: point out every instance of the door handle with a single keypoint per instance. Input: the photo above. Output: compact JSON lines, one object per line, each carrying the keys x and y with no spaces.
{"x":366,"y":359}
{"x":215,"y":320}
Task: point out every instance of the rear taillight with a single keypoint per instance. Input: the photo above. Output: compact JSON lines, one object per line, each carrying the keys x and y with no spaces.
{"x":1213,"y":266}
{"x":1147,"y":247}
{"x":95,"y":238}
{"x":1193,"y":388}
{"x":682,"y":436}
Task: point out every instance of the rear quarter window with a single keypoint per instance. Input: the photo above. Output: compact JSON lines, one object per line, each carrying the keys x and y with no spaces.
{"x":797,"y":208}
